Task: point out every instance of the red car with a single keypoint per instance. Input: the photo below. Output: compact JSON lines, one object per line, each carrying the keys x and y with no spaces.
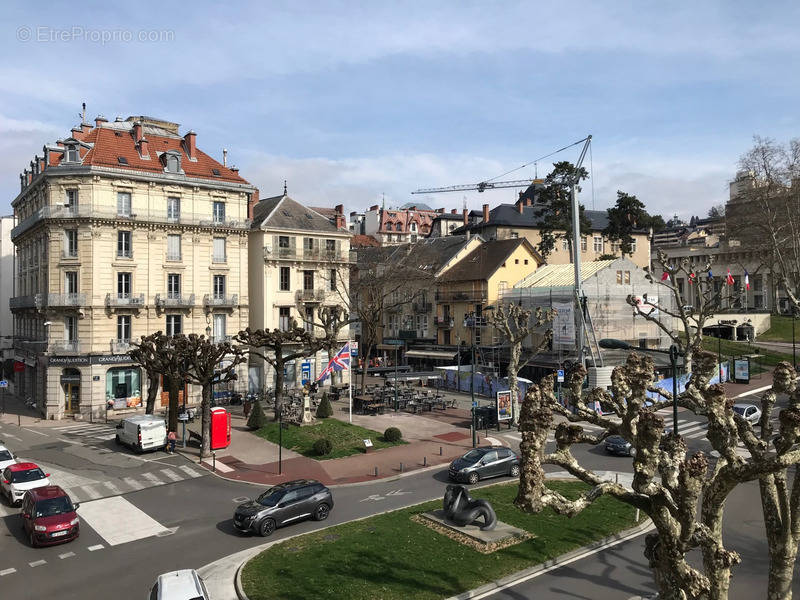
{"x":48,"y":516}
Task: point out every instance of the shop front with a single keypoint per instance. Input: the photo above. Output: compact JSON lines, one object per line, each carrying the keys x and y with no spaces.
{"x":71,"y":386}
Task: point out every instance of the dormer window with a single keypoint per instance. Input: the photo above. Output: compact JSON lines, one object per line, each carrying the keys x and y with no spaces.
{"x":72,"y":154}
{"x":171,"y":161}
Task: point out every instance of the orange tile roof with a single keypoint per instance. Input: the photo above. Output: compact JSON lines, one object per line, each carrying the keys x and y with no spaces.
{"x":110,"y":144}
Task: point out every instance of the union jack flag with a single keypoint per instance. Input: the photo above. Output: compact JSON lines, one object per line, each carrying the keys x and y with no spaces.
{"x":340,"y":362}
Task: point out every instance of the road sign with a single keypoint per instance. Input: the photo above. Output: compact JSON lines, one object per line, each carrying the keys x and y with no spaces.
{"x":305,"y":369}
{"x":353,"y":349}
{"x":3,"y":383}
{"x":560,"y":375}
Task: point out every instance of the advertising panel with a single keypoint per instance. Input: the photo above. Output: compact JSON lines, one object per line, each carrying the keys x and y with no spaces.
{"x":505,"y":408}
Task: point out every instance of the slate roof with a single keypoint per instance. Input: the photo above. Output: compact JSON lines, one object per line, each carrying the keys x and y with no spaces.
{"x":482,"y":262}
{"x":508,"y":215}
{"x":281,"y":212}
{"x":427,"y":255}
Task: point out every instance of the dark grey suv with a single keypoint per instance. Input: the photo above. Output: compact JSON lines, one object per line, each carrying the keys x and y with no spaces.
{"x":483,"y":462}
{"x":283,"y":504}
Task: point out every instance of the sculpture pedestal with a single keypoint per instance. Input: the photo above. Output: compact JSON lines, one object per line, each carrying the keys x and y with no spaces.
{"x":307,"y":418}
{"x":502,"y":536}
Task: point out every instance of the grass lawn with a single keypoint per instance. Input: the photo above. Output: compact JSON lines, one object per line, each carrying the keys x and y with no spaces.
{"x":391,"y":557}
{"x":780,"y":330}
{"x":766,"y":358}
{"x":346,"y":438}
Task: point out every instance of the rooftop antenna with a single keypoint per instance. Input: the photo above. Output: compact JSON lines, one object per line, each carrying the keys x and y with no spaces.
{"x":383,"y":201}
{"x":83,"y":113}
{"x":224,"y":157}
{"x":536,"y":170}
{"x":284,"y":187}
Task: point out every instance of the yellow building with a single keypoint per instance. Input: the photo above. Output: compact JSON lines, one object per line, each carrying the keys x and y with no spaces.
{"x":299,"y":261}
{"x":124,"y":229}
{"x":467,"y":287}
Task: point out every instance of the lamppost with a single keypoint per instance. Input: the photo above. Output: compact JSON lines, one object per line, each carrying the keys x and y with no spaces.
{"x":794,"y":351}
{"x":472,"y":395}
{"x":208,"y":335}
{"x":673,"y":352}
{"x":396,"y":382}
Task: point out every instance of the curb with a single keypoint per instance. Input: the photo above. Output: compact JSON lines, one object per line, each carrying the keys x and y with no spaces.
{"x":554,"y":563}
{"x":237,"y":582}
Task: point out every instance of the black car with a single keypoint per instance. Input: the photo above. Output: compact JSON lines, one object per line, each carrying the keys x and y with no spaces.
{"x":283,"y":504}
{"x":619,"y":446}
{"x":483,"y":462}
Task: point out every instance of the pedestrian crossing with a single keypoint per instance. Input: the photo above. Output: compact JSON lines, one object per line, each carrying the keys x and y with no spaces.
{"x":123,"y":485}
{"x":87,"y":432}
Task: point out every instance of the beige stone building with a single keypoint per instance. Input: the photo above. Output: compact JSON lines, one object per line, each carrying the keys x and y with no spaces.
{"x":123,"y":228}
{"x":299,"y":261}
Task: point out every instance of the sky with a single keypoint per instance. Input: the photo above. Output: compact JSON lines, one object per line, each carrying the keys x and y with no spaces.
{"x":359,"y":103}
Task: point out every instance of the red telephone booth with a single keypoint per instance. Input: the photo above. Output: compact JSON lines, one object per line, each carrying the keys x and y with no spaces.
{"x":220,"y":428}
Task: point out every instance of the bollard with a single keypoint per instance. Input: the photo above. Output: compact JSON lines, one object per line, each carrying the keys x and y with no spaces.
{"x":18,"y":421}
{"x":424,"y":461}
{"x":214,"y":459}
{"x":440,"y":451}
{"x":376,"y":471}
{"x":616,"y":477}
{"x":637,"y":515}
{"x":401,"y":467}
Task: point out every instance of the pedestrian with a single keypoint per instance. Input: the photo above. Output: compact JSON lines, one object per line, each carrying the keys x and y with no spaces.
{"x":171,"y":439}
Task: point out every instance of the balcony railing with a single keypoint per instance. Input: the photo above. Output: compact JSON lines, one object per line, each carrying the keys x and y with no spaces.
{"x":22,"y":302}
{"x":174,"y":300}
{"x":65,"y":299}
{"x":219,"y":259}
{"x":476,"y":322}
{"x":225,"y":300}
{"x":69,"y":253}
{"x":65,"y":346}
{"x":309,"y":295}
{"x":315,"y":255}
{"x":124,"y":299}
{"x":30,"y":345}
{"x":461,"y":296}
{"x":120,"y":346}
{"x":443,"y":321}
{"x":125,"y":254}
{"x":173,"y":256}
{"x":221,"y":339}
{"x":109,"y":212}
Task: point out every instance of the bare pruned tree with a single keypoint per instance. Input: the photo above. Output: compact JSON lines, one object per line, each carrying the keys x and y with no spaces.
{"x":686,"y":316}
{"x":277,"y":347}
{"x":331,"y":319}
{"x":515,"y":325}
{"x":682,"y":493}
{"x":151,"y":353}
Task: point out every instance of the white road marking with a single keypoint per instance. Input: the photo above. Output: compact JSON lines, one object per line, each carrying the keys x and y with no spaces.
{"x":221,"y":466}
{"x":95,"y":547}
{"x":13,"y":437}
{"x":105,"y":516}
{"x":491,"y":441}
{"x":89,"y":491}
{"x":73,"y":442}
{"x":7,"y":572}
{"x":37,"y":563}
{"x":66,"y":555}
{"x":132,"y":483}
{"x":114,"y":489}
{"x":513,"y":436}
{"x":36,"y":432}
{"x":172,"y":475}
{"x":190,"y":471}
{"x":152,"y":479}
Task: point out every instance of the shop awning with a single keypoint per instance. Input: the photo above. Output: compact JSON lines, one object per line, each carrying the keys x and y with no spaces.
{"x":437,"y":354}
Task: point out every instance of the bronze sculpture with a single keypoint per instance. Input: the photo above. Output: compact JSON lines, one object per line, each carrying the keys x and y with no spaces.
{"x":462,"y":510}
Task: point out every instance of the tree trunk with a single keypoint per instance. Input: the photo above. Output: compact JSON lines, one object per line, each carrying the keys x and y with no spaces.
{"x":513,"y":385}
{"x":365,"y":357}
{"x":205,"y":426}
{"x":152,"y":392}
{"x":278,"y":388}
{"x":172,"y":416}
{"x":781,"y":570}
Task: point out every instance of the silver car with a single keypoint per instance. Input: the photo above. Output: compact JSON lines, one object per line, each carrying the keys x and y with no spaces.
{"x":749,"y":412}
{"x":483,"y":462}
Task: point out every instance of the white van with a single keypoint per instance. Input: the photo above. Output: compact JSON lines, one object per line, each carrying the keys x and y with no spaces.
{"x":142,"y":432}
{"x":179,"y":585}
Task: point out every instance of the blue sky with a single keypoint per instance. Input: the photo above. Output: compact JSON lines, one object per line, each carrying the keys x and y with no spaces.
{"x":351,"y":101}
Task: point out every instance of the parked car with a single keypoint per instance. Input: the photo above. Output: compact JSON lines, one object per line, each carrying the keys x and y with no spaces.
{"x":49,"y":517}
{"x":283,"y":504}
{"x":485,"y":461}
{"x":6,"y":458}
{"x":19,"y":478}
{"x":618,"y":445}
{"x":142,"y":432}
{"x":185,"y":584}
{"x":750,"y":412}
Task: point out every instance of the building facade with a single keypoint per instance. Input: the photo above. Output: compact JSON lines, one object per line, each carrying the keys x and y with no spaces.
{"x":406,"y":224}
{"x":299,"y":261}
{"x":123,"y":229}
{"x":6,"y":284}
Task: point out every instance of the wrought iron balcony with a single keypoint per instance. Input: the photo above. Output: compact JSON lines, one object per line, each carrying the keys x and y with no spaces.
{"x":306,"y":254}
{"x":221,"y":339}
{"x":447,"y":322}
{"x":174,"y":300}
{"x":461,"y":296}
{"x":64,"y":299}
{"x":69,"y":253}
{"x":125,"y":300}
{"x":120,"y":346}
{"x":223,"y":301}
{"x":22,"y":302}
{"x":309,"y":295}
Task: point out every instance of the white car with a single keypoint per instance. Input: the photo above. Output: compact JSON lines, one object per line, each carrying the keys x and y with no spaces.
{"x":6,"y":458}
{"x":185,"y":584}
{"x":749,"y":412}
{"x":19,"y":478}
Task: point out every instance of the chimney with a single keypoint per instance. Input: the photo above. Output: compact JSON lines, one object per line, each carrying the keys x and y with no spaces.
{"x":190,"y":139}
{"x":77,"y":133}
{"x":42,"y":164}
{"x":520,"y":207}
{"x":86,"y":127}
{"x":144,"y":148}
{"x":235,"y":169}
{"x":440,"y":211}
{"x":339,"y":209}
{"x":485,"y":213}
{"x":28,"y":177}
{"x":99,"y":120}
{"x":224,"y":157}
{"x":137,"y":132}
{"x":466,"y":220}
{"x":353,"y":213}
{"x":252,"y":201}
{"x":373,"y":207}
{"x":454,"y":211}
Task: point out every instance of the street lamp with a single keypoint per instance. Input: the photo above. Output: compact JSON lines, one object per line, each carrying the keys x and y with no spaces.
{"x":673,"y":352}
{"x":395,"y":378}
{"x":472,"y":395}
{"x":794,"y":351}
